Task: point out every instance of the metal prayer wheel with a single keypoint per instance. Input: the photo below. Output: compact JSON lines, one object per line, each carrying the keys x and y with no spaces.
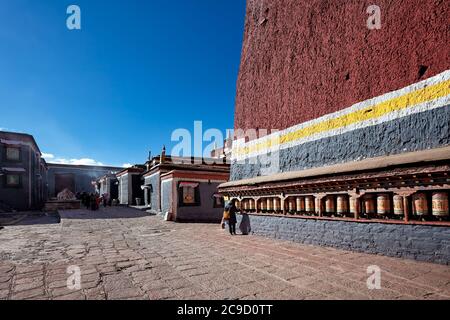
{"x":369,"y":204}
{"x":398,"y":205}
{"x":354,"y":205}
{"x":269,"y":204}
{"x":341,"y":204}
{"x":276,"y":204}
{"x":309,"y":204}
{"x":318,"y":204}
{"x":440,"y":204}
{"x":263,"y":204}
{"x":329,"y":204}
{"x":300,"y":204}
{"x":291,"y":205}
{"x":237,"y":204}
{"x":246,"y":204}
{"x":383,"y":204}
{"x":252,"y":204}
{"x":420,"y":204}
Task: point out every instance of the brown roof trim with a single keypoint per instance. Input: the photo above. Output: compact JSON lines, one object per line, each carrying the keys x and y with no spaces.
{"x":130,"y":170}
{"x":61,"y":165}
{"x":376,"y":163}
{"x":385,"y":179}
{"x":189,"y":174}
{"x":109,"y":175}
{"x":221,"y":168}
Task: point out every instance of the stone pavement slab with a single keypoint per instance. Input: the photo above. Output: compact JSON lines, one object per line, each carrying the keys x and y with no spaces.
{"x":124,"y":253}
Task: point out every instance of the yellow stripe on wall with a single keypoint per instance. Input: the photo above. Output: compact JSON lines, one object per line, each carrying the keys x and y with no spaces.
{"x":411,"y":99}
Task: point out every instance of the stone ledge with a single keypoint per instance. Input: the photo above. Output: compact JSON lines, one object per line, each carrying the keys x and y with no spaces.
{"x":55,"y":205}
{"x":418,"y":242}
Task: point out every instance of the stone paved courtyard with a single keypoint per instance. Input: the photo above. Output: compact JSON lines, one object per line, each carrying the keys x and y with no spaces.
{"x":126,"y":254}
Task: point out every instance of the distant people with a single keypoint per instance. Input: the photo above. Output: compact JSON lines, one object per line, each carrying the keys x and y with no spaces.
{"x":230,"y":216}
{"x":93,"y":201}
{"x":85,"y":200}
{"x":105,"y":199}
{"x":244,"y":226}
{"x":98,"y":200}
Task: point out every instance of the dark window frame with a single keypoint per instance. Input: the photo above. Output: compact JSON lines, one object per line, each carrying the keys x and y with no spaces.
{"x":15,"y":186}
{"x":5,"y":153}
{"x":222,"y":202}
{"x":197,"y":197}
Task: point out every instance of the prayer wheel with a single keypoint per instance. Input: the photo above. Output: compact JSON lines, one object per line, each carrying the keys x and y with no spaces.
{"x":252,"y":205}
{"x":420,"y":207}
{"x":398,"y":205}
{"x":369,"y":204}
{"x":263,"y":205}
{"x":309,"y":204}
{"x":276,"y":204}
{"x":329,"y":204}
{"x":269,"y":204}
{"x":291,"y":205}
{"x":246,"y":204}
{"x":354,"y":205}
{"x":341,"y":204}
{"x":383,"y":204}
{"x":300,"y":204}
{"x":237,"y":203}
{"x":318,"y":204}
{"x":440,"y":204}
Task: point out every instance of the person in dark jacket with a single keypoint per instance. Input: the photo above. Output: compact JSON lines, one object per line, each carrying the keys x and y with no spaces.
{"x":232,"y":220}
{"x":84,"y":200}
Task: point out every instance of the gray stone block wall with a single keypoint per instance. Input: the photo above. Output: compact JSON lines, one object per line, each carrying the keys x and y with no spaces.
{"x":166,"y":196}
{"x":424,"y":243}
{"x":154,"y":197}
{"x":123,"y":189}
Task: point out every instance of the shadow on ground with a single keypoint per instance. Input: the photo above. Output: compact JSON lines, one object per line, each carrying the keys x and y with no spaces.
{"x":103,"y":213}
{"x":28,"y":219}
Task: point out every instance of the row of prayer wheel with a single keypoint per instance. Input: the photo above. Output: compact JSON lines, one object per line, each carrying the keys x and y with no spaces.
{"x":270,"y":204}
{"x":420,"y":204}
{"x":372,"y":204}
{"x":273,"y":204}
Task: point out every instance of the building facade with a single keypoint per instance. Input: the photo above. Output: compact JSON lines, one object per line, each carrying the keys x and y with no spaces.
{"x":343,"y":129}
{"x":76,"y":178}
{"x":185,"y":188}
{"x":108,"y":184}
{"x":129,"y":187}
{"x":23,"y":173}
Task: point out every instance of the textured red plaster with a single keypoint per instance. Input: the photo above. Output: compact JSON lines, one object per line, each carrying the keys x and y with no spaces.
{"x":297,"y":55}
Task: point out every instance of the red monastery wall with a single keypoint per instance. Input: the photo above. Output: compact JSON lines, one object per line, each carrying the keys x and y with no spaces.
{"x":302,"y":59}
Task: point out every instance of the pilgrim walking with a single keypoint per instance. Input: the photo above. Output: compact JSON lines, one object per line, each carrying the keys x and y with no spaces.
{"x":230,"y":216}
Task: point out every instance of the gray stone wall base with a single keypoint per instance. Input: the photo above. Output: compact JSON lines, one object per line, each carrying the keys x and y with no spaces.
{"x":423,"y":243}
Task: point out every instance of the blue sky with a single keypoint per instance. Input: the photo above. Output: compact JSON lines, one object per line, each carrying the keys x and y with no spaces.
{"x":136,"y":71}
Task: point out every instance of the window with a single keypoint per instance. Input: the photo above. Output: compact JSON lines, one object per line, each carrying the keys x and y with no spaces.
{"x":13,"y":153}
{"x":13,"y":180}
{"x":189,"y":194}
{"x":218,"y":201}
